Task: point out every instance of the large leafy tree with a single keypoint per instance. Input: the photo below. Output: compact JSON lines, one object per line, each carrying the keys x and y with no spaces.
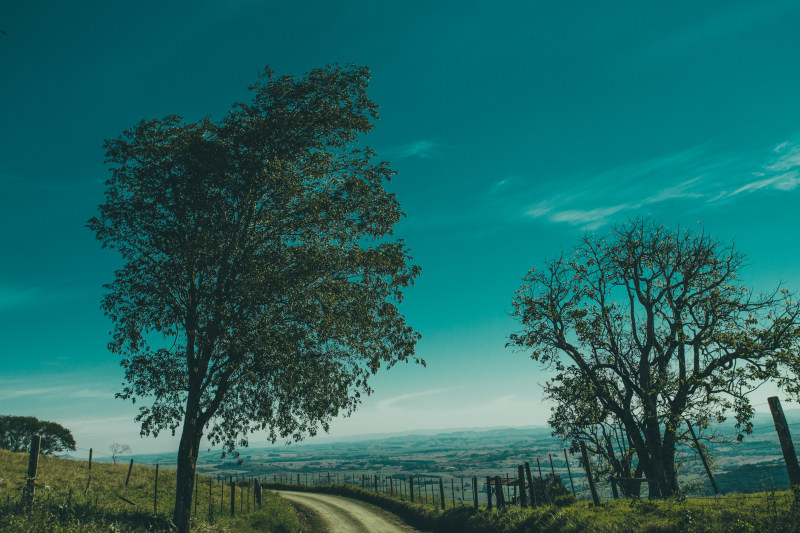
{"x":259,"y":284}
{"x":16,"y":433}
{"x":653,"y":324}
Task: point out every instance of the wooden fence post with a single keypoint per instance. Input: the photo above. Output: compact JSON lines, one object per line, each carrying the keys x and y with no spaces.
{"x":128,"y":477}
{"x":498,"y":493}
{"x":411,"y":487}
{"x":233,"y":496}
{"x":595,"y":497}
{"x":787,"y":446}
{"x":489,"y":493}
{"x":531,"y":488}
{"x":475,"y":491}
{"x":89,"y":480}
{"x":522,"y":500}
{"x":210,"y":507}
{"x":441,"y":492}
{"x":155,"y":492}
{"x":541,"y":478}
{"x":33,"y":465}
{"x":569,"y":471}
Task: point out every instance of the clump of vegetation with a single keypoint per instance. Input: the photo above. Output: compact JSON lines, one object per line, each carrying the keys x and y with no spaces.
{"x":67,"y":502}
{"x":16,"y":432}
{"x":738,"y":513}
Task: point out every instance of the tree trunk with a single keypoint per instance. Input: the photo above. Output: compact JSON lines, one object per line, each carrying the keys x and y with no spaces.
{"x":187,"y":460}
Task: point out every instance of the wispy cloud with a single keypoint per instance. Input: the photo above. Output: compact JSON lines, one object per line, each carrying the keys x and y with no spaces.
{"x":422,"y":148}
{"x":87,"y":393}
{"x":390,"y":402}
{"x":700,"y":175}
{"x":11,"y":393}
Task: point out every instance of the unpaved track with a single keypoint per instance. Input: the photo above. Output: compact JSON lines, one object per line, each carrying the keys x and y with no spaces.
{"x":343,"y":515}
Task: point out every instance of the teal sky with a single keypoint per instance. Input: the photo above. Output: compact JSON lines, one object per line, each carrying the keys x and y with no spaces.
{"x":515,"y":126}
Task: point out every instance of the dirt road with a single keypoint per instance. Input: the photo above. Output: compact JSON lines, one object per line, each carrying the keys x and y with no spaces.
{"x":343,"y":515}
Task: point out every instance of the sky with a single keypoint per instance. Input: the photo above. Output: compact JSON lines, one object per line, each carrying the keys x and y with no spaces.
{"x":515,"y":127}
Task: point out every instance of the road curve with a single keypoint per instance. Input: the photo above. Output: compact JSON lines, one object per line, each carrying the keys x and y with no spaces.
{"x":343,"y":515}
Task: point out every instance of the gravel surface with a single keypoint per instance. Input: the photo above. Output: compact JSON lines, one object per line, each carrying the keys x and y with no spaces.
{"x":344,"y":515}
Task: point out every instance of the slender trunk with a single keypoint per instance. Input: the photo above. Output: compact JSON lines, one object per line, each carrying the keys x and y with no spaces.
{"x":187,"y":460}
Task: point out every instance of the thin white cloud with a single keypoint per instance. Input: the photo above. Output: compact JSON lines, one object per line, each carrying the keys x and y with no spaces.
{"x":696,"y":175}
{"x":789,"y":160}
{"x":591,"y":218}
{"x":87,"y":393}
{"x":422,"y":148}
{"x":390,"y":402}
{"x":10,"y":394}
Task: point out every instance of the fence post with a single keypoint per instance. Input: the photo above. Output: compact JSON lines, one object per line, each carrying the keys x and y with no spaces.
{"x":541,"y":478}
{"x":441,"y":492}
{"x":411,"y":487}
{"x":787,"y":447}
{"x":489,"y":493}
{"x":531,"y":488}
{"x":521,"y":474}
{"x":569,"y":471}
{"x":128,"y":477}
{"x":210,"y":507}
{"x":498,"y":493}
{"x":595,"y":497}
{"x":475,"y":491}
{"x":233,"y":496}
{"x":33,"y":465}
{"x":89,"y":481}
{"x":155,"y":492}
{"x":391,"y":486}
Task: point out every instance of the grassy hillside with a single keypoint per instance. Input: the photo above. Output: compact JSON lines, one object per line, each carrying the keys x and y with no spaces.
{"x":64,"y":504}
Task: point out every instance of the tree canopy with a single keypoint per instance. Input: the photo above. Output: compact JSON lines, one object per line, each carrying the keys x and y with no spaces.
{"x":260,"y":282}
{"x":16,"y":433}
{"x":648,"y":328}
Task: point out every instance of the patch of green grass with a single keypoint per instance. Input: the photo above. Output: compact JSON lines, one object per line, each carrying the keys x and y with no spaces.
{"x":739,"y":513}
{"x":63,"y":503}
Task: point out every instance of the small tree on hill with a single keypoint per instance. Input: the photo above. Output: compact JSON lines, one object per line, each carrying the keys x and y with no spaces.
{"x":654,"y":324}
{"x":118,"y":449}
{"x":16,"y":432}
{"x":259,"y":285}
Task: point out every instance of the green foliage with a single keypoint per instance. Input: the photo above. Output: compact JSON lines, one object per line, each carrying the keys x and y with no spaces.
{"x":649,"y":328}
{"x":729,"y":514}
{"x":61,"y":506}
{"x":260,"y":287}
{"x":16,"y":432}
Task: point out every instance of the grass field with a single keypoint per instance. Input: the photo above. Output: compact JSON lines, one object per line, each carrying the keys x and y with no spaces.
{"x":738,"y":513}
{"x":64,"y":504}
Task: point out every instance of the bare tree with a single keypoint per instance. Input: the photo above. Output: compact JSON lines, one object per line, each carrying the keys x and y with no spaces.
{"x":118,"y":449}
{"x":655,"y":325}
